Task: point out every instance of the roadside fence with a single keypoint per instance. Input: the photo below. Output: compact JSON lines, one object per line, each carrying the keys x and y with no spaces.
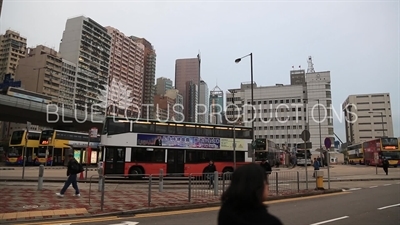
{"x":148,"y":190}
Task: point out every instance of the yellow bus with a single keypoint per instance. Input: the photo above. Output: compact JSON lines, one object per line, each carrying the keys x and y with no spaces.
{"x":14,"y":153}
{"x":59,"y":143}
{"x":356,"y":154}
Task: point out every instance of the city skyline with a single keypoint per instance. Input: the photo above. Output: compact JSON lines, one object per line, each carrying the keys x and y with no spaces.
{"x":334,"y":44}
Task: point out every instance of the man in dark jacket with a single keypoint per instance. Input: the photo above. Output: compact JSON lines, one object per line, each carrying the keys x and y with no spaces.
{"x":73,"y":169}
{"x":266,"y":166}
{"x":210,"y":170}
{"x":385,"y":166}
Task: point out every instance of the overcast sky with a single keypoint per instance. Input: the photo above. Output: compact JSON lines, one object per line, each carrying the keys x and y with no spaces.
{"x":357,"y":41}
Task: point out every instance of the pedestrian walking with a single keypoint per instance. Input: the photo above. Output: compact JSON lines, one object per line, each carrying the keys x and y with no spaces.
{"x":74,"y":167}
{"x":242,"y":202}
{"x":316,"y":167}
{"x":210,"y":170}
{"x":266,"y":166}
{"x":385,"y":165}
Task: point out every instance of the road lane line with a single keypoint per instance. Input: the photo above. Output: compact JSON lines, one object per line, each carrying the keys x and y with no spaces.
{"x":373,"y":187}
{"x":389,"y":206}
{"x":332,"y":220}
{"x":387,"y":184}
{"x":354,"y":189}
{"x":170,"y":213}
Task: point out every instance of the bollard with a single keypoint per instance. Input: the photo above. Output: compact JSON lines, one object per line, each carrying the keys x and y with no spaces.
{"x":149,"y":195}
{"x":190,"y":188}
{"x":298,"y":181}
{"x":320,"y":180}
{"x":103,"y":181}
{"x":101,"y":178}
{"x":216,"y":183}
{"x":40,"y":180}
{"x":276,"y":184}
{"x":161,"y":180}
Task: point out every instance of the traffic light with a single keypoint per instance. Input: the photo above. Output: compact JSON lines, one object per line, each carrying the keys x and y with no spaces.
{"x":261,"y":144}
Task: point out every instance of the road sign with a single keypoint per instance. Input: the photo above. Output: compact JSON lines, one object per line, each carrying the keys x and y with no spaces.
{"x":328,"y":143}
{"x":93,"y":132}
{"x":305,"y":135}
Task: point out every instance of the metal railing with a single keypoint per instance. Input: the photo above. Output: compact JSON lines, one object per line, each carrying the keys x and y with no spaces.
{"x":202,"y":188}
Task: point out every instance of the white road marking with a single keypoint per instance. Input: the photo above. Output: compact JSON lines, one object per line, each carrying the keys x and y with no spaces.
{"x":332,"y":220}
{"x":354,"y":189}
{"x":387,"y":184}
{"x":389,"y":206}
{"x":373,"y":187}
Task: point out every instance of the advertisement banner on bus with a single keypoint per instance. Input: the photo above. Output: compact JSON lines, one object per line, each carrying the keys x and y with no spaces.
{"x":178,"y":141}
{"x":227,"y":144}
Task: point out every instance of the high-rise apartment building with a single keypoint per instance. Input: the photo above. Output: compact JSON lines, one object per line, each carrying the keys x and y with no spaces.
{"x":88,"y":45}
{"x":367,"y":116}
{"x":178,"y":104}
{"x":187,"y":70}
{"x":190,"y":102}
{"x":126,"y":74}
{"x":216,"y":107}
{"x":162,"y":85}
{"x":149,"y":77}
{"x":41,"y":72}
{"x":203,"y":103}
{"x":67,"y":84}
{"x":12,"y":49}
{"x":282,"y":112}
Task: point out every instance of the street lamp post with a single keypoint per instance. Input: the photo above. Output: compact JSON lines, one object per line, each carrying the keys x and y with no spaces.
{"x":234,"y":129}
{"x":252,"y":100}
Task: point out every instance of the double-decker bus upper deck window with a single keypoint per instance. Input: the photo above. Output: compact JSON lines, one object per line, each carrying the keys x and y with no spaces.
{"x":190,"y":129}
{"x":162,"y":128}
{"x":33,"y":136}
{"x":141,"y":127}
{"x":205,"y":131}
{"x":115,"y":127}
{"x":243,"y":133}
{"x":180,"y":129}
{"x":16,"y":137}
{"x":223,"y":132}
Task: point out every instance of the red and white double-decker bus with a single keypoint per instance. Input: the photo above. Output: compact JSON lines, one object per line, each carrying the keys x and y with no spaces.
{"x":387,"y":147}
{"x":137,"y":146}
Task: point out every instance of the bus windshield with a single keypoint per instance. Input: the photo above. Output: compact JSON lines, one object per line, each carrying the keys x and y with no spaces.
{"x":44,"y":137}
{"x":14,"y":152}
{"x":16,"y":137}
{"x":391,"y":154}
{"x":41,"y":152}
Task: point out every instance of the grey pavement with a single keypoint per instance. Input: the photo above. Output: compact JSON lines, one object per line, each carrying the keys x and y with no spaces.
{"x":368,"y":206}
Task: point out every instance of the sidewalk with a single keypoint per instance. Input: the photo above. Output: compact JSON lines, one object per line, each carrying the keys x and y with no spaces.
{"x":26,"y":203}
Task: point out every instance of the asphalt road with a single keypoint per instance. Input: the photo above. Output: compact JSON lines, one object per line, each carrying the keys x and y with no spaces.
{"x":368,"y":205}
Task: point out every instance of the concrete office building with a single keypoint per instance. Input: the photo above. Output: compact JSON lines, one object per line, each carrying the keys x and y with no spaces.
{"x":126,"y":75}
{"x":204,"y":104}
{"x":282,"y":112}
{"x":162,"y":85}
{"x":187,"y":74}
{"x":216,"y":107}
{"x":88,"y":45}
{"x":148,"y":78}
{"x":178,"y":104}
{"x":364,"y":114}
{"x":12,"y":48}
{"x":41,"y":72}
{"x":164,"y":107}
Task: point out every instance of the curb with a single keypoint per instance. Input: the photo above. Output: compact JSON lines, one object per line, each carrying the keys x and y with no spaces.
{"x":183,"y":207}
{"x":5,"y":168}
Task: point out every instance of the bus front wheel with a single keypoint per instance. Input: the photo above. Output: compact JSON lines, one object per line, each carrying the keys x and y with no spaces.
{"x":135,"y":173}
